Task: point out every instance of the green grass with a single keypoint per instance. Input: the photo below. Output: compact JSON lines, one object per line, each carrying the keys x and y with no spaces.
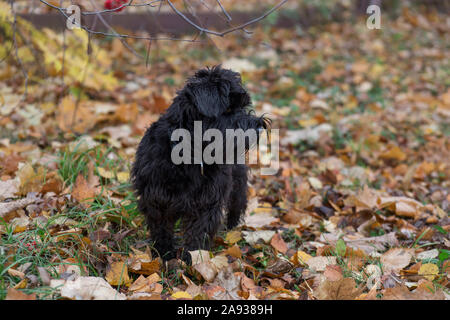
{"x":50,"y":251}
{"x":71,"y":163}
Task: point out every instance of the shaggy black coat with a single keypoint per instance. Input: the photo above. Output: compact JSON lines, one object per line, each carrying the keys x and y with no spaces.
{"x":199,"y":196}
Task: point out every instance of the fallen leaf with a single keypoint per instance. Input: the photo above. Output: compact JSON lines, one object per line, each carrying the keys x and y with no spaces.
{"x":230,"y":282}
{"x":343,"y":289}
{"x":14,"y":294}
{"x":8,"y":189}
{"x":253,"y":237}
{"x":22,"y":284}
{"x":320,"y":263}
{"x":7,"y":207}
{"x":401,"y":292}
{"x":396,"y":259}
{"x":374,"y":275}
{"x":90,"y":288}
{"x":394,"y":153}
{"x":402,"y":206}
{"x":16,"y":273}
{"x":333,"y":273}
{"x":181,"y":295}
{"x":199,"y":256}
{"x":140,"y":285}
{"x":74,"y":116}
{"x":117,"y":274}
{"x":259,"y":220}
{"x":123,"y":177}
{"x":430,"y":254}
{"x":429,"y":271}
{"x":105,"y":173}
{"x":278,"y":243}
{"x":82,"y":191}
{"x":45,"y":276}
{"x":146,"y":267}
{"x":53,"y":183}
{"x":206,"y":269}
{"x":30,"y":179}
{"x":234,"y":251}
{"x":232,"y":237}
{"x":366,"y":244}
{"x":301,"y":257}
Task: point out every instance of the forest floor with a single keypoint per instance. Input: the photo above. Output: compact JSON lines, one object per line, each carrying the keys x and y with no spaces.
{"x":360,"y":206}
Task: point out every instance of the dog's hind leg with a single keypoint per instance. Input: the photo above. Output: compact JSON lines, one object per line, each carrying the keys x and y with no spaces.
{"x":237,"y":203}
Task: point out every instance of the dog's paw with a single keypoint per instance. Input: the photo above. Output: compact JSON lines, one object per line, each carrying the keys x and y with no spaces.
{"x":186,"y":257}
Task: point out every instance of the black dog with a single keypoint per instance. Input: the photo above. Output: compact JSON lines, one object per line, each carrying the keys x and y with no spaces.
{"x":196,"y":193}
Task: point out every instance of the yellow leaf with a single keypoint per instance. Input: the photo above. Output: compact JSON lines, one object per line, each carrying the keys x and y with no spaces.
{"x":153,"y":278}
{"x":302,"y":257}
{"x":30,"y":180}
{"x":118,"y":274}
{"x":181,"y":295}
{"x":394,"y":153}
{"x":105,"y":173}
{"x":140,"y":285}
{"x":234,"y":251}
{"x":429,"y":271}
{"x":22,"y":284}
{"x":305,"y":123}
{"x":233,"y":237}
{"x":123,"y":177}
{"x":74,"y":117}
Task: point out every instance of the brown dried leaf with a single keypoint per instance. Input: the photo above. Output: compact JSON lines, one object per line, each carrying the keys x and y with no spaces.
{"x":333,"y":273}
{"x":343,"y":289}
{"x":8,"y":189}
{"x":234,"y":251}
{"x":14,"y":294}
{"x":396,"y":259}
{"x":83,"y":191}
{"x":278,"y":243}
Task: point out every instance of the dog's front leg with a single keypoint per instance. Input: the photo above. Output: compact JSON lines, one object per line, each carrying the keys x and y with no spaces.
{"x":237,"y":202}
{"x":199,"y":230}
{"x":161,"y":232}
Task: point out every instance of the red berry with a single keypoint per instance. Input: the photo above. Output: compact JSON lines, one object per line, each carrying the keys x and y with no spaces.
{"x":113,"y":4}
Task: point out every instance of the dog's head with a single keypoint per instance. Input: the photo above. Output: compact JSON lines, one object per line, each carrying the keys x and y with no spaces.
{"x":215,"y":91}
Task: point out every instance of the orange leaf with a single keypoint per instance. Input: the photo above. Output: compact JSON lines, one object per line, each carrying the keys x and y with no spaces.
{"x":278,"y":243}
{"x":82,"y":191}
{"x":14,"y":294}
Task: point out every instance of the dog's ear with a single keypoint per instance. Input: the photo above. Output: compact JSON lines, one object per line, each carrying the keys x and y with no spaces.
{"x":239,"y":99}
{"x":211,"y":99}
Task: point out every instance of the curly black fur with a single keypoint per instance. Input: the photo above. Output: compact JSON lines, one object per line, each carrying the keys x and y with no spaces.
{"x":167,"y":192}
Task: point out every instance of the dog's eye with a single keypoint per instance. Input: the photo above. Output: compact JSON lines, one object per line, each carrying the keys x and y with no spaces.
{"x":228,"y":110}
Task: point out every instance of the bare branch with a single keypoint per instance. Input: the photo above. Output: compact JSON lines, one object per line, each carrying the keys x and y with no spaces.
{"x":178,"y":12}
{"x":223,"y":10}
{"x":118,"y":35}
{"x":87,"y":13}
{"x":221,"y":34}
{"x":16,"y":51}
{"x":106,"y":24}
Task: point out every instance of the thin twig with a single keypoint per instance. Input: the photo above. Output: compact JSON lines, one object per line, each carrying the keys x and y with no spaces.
{"x":178,"y":12}
{"x":117,"y":35}
{"x":221,"y":34}
{"x":106,"y":24}
{"x":223,"y":10}
{"x":16,"y":50}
